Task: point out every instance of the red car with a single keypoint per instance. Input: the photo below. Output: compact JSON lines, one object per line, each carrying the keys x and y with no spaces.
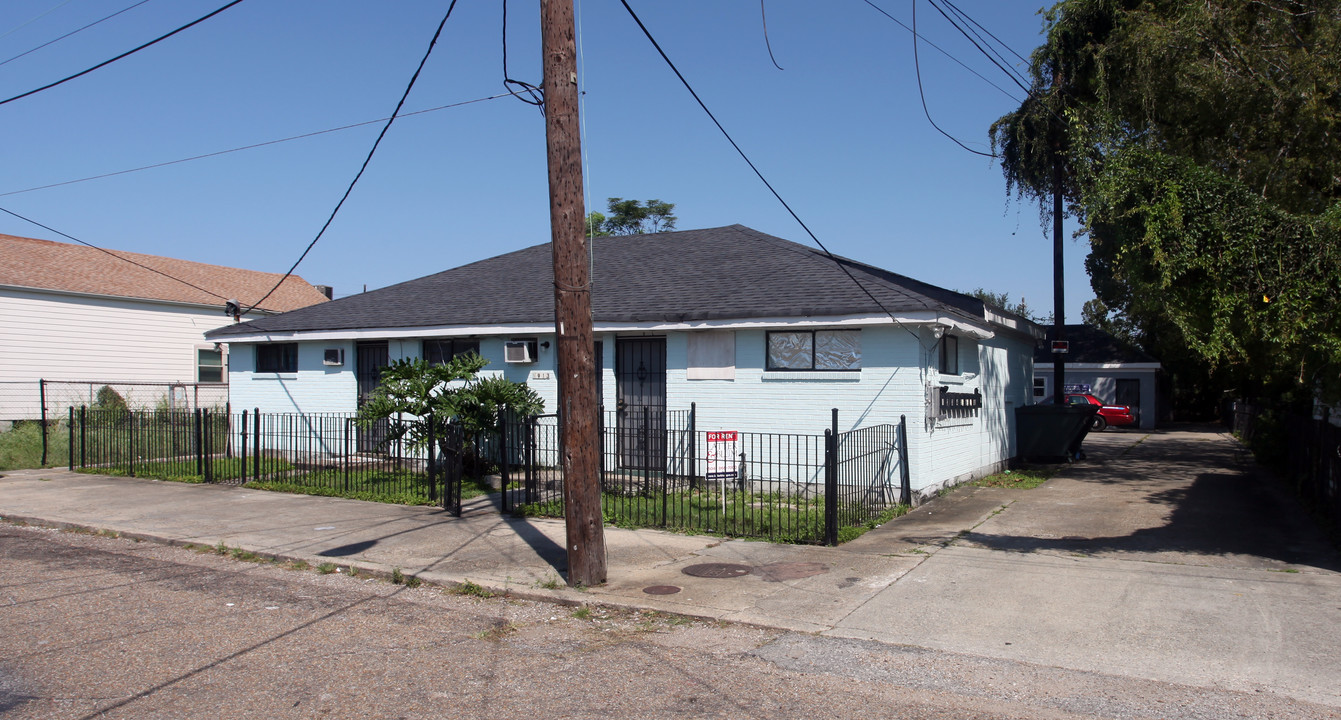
{"x":1115,"y":415}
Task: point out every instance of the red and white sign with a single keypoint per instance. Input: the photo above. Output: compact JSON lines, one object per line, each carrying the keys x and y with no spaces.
{"x":722,"y":451}
{"x":1061,"y":346}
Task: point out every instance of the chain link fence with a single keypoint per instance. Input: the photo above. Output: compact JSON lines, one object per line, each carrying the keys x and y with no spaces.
{"x":33,"y":412}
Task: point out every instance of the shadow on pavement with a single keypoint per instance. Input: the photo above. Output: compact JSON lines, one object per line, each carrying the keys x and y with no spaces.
{"x":1219,"y":504}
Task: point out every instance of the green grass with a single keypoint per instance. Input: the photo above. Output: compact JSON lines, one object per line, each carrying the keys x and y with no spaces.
{"x":796,"y":519}
{"x":400,"y":487}
{"x":21,"y":446}
{"x":184,"y":471}
{"x":1025,"y":478}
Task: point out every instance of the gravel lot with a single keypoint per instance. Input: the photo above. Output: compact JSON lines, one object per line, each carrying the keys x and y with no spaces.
{"x":94,"y":626}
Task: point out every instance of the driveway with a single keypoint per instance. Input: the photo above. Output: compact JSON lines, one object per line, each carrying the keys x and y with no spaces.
{"x":1165,"y":556}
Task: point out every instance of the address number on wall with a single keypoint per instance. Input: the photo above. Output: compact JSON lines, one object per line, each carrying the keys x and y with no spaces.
{"x":541,"y":375}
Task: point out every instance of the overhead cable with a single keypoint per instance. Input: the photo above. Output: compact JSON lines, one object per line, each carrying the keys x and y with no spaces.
{"x":254,"y":145}
{"x":917,"y":67}
{"x":126,"y":54}
{"x":760,"y":175}
{"x":109,"y":252}
{"x":941,"y":50}
{"x":366,"y":160}
{"x":990,"y":53}
{"x":72,"y":32}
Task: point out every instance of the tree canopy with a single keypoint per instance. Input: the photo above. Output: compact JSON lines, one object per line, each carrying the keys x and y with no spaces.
{"x":632,"y":217}
{"x":1199,"y":144}
{"x":1002,"y":301}
{"x":419,"y":393}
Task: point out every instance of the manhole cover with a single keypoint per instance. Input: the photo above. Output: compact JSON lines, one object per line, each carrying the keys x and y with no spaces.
{"x":778,"y":572}
{"x":661,"y":590}
{"x":717,"y":570}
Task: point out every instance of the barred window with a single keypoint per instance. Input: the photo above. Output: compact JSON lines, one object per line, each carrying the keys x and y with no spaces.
{"x":277,"y":358}
{"x":441,"y":351}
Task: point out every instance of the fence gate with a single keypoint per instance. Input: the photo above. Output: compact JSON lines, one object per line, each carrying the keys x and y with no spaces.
{"x":640,"y":384}
{"x":372,"y":357}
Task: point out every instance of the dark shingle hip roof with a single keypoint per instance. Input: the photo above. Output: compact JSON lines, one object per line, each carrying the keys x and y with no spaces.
{"x":730,"y":272}
{"x":1091,"y":345}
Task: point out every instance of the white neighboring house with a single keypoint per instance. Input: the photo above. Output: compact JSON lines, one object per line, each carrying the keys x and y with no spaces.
{"x":76,"y":313}
{"x":757,"y":333}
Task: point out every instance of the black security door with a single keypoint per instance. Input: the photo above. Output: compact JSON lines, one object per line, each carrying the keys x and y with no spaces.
{"x":640,"y":383}
{"x":372,"y":357}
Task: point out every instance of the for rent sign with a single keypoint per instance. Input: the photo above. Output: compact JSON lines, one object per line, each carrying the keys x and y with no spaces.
{"x":723,"y":449}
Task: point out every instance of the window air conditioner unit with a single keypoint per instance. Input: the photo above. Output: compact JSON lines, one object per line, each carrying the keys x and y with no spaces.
{"x":334,"y":356}
{"x":519,"y":351}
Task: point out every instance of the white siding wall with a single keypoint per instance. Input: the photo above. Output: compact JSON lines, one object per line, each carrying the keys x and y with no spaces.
{"x":799,"y":402}
{"x":898,"y":366}
{"x":63,"y":337}
{"x":953,"y":450}
{"x":315,"y":388}
{"x":318,"y":388}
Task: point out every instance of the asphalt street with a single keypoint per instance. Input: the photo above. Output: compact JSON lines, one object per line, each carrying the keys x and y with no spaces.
{"x":1166,"y":576}
{"x":100,"y":627}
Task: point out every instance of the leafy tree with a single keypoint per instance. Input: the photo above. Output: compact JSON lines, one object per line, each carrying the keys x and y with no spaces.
{"x":1003,"y":301}
{"x":1199,"y":143}
{"x":596,"y":224}
{"x":632,"y":217}
{"x":421,"y":392}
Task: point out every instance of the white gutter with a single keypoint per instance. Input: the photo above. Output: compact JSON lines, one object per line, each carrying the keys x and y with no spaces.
{"x":922,"y":318}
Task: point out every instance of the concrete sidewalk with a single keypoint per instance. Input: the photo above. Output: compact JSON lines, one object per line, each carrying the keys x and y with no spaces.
{"x":1163,"y":557}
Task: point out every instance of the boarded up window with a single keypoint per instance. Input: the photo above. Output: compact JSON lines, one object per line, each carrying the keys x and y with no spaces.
{"x":814,"y":350}
{"x":712,"y":355}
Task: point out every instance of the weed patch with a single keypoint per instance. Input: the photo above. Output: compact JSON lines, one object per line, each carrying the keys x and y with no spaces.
{"x":1026,"y":478}
{"x":471,"y":589}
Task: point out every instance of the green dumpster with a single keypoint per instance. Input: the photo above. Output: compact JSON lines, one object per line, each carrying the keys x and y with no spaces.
{"x":1052,"y":432}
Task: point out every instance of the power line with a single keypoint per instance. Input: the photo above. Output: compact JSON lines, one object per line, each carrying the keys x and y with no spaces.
{"x":917,"y":66}
{"x":72,"y":32}
{"x":118,"y":257}
{"x":992,"y":56}
{"x":763,"y":17}
{"x":759,"y":174}
{"x":1043,"y":101}
{"x":128,"y":53}
{"x":941,"y":50}
{"x":535,"y":95}
{"x":998,"y":40}
{"x":366,"y":160}
{"x":254,"y":145}
{"x":33,"y":20}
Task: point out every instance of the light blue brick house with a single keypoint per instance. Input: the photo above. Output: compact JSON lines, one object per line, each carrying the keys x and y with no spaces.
{"x":759,"y":333}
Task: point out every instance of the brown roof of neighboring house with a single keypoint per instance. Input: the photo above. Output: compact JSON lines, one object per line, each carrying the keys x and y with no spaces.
{"x":27,"y":262}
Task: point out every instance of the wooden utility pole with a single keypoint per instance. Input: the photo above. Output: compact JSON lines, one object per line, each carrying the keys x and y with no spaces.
{"x":578,"y":414}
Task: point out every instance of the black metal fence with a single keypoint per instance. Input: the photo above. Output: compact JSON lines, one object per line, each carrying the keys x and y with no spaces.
{"x":799,"y":488}
{"x":47,"y":402}
{"x":310,"y":453}
{"x":658,"y":469}
{"x":1314,"y":463}
{"x":1308,"y":449}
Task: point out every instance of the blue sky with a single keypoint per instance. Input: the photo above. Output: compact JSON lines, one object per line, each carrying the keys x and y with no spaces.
{"x":840,"y":132}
